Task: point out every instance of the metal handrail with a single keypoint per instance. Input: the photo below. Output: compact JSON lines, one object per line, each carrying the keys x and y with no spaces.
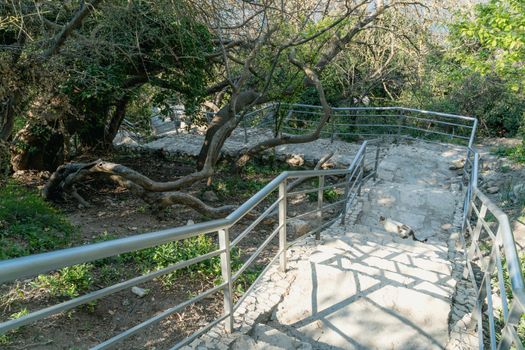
{"x":32,"y":265}
{"x":401,"y":122}
{"x":354,"y":177}
{"x":483,"y":269}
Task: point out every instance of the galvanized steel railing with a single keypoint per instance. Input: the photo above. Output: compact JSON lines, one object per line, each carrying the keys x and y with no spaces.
{"x":493,"y":265}
{"x":349,"y":123}
{"x":499,"y":262}
{"x":353,"y":178}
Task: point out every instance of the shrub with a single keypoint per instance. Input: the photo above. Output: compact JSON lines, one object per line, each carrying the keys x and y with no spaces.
{"x":28,"y":224}
{"x":68,"y":282}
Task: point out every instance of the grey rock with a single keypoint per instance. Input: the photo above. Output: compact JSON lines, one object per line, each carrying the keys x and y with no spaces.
{"x":298,"y":227}
{"x":295,"y":160}
{"x":519,"y":191}
{"x":190,"y":222}
{"x":493,"y":189}
{"x":457,"y":164}
{"x":210,"y":196}
{"x":140,"y":292}
{"x":244,"y":342}
{"x":270,"y":338}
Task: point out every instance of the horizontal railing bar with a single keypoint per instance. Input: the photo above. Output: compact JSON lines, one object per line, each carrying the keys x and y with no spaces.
{"x":67,"y":305}
{"x":403,"y":127}
{"x":302,"y":215}
{"x":432,"y":132}
{"x":157,"y":318}
{"x":404,"y":117}
{"x":501,"y":284}
{"x":263,"y":272}
{"x":333,"y":204}
{"x":251,"y":203}
{"x":314,"y":173}
{"x":422,"y":111}
{"x":199,"y":332}
{"x":40,"y":263}
{"x":256,"y":253}
{"x":324,"y":225}
{"x":316,"y":189}
{"x":446,"y":115}
{"x":422,"y":140}
{"x":404,"y":136}
{"x":509,"y":244}
{"x":255,"y":222}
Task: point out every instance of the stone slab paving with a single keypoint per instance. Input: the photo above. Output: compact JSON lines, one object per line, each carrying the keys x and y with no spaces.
{"x":189,"y":144}
{"x":361,"y":287}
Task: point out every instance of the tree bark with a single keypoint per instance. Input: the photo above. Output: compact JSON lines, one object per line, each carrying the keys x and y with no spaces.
{"x":59,"y":39}
{"x":7,"y":118}
{"x":224,"y":115}
{"x":161,"y":194}
{"x":116,"y":120}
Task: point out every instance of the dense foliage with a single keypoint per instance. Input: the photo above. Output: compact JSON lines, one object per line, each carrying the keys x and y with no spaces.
{"x":66,"y":94}
{"x":479,"y":70}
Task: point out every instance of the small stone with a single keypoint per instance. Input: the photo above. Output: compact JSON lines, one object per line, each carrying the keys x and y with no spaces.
{"x":493,"y":189}
{"x":295,"y":160}
{"x":519,"y":191}
{"x":298,"y":227}
{"x":125,"y":302}
{"x":210,"y":196}
{"x":190,"y":222}
{"x":140,"y":292}
{"x":270,"y":220}
{"x":221,"y":346}
{"x":457,"y":164}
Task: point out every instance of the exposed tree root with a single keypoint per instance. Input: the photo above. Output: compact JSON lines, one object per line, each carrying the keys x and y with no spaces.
{"x":160,"y":194}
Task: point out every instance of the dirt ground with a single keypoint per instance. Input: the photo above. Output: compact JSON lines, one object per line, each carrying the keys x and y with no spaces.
{"x":504,"y":175}
{"x":116,"y":212}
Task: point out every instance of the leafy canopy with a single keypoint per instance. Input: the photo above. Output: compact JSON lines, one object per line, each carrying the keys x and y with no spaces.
{"x":494,"y":40}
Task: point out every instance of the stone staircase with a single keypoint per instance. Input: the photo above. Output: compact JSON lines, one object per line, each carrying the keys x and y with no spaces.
{"x":362,"y":287}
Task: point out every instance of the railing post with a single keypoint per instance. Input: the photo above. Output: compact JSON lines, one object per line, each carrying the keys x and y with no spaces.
{"x":320,"y":198}
{"x":376,"y":164}
{"x":282,"y":224}
{"x":362,"y":165}
{"x":224,"y":244}
{"x":347,"y":193}
{"x":332,"y":119}
{"x":400,"y":121}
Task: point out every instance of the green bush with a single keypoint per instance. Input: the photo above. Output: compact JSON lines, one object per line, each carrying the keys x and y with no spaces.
{"x":516,"y":153}
{"x":5,"y":339}
{"x":28,"y":224}
{"x":70,"y":281}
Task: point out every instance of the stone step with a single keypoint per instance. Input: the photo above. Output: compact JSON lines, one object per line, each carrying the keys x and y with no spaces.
{"x":265,"y":337}
{"x":387,"y":239}
{"x":427,"y":260}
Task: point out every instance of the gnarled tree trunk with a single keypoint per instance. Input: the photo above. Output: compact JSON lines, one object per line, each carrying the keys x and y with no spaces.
{"x":161,"y":194}
{"x":225,"y":114}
